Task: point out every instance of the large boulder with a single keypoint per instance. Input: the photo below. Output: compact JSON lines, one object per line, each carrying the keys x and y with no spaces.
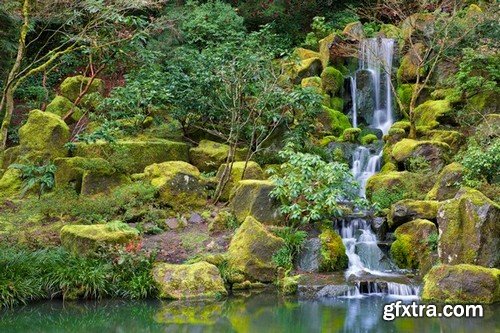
{"x":354,"y":31}
{"x":332,"y":252}
{"x":251,"y":251}
{"x":453,"y":139}
{"x":447,"y":184}
{"x":188,"y":281}
{"x":433,"y":113}
{"x":44,"y":132}
{"x":436,"y":153}
{"x":72,"y":86}
{"x":334,"y":121}
{"x":60,"y":105}
{"x":469,"y":232}
{"x":306,"y":68}
{"x":239,"y":171}
{"x":365,"y":96}
{"x":462,"y":284}
{"x":252,"y":198}
{"x":86,"y":175}
{"x":413,"y":248}
{"x":130,"y":156}
{"x":86,"y":239}
{"x":406,"y":210}
{"x":411,"y":66}
{"x":324,"y":49}
{"x":178,"y":183}
{"x":331,"y":80}
{"x":209,"y":155}
{"x":10,"y":183}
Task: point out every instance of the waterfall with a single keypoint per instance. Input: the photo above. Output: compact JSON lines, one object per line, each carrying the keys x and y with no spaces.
{"x":354,"y":108}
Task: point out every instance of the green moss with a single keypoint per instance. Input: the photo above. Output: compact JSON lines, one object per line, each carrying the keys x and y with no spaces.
{"x":402,"y":124}
{"x":409,"y":67}
{"x":178,"y":183}
{"x":252,"y":171}
{"x":70,"y":170}
{"x":331,"y":80}
{"x":304,"y":54}
{"x":306,"y":68}
{"x":409,"y":209}
{"x":388,"y":167}
{"x":252,"y":198}
{"x":131,"y":156}
{"x":312,"y":82}
{"x":189,"y":313}
{"x":200,"y":280}
{"x":405,"y":92}
{"x":391,"y":31}
{"x":337,"y":103}
{"x":454,"y":139}
{"x":251,"y":250}
{"x":209,"y":155}
{"x":86,"y":239}
{"x":324,"y":49}
{"x":368,"y":139}
{"x":447,"y":183}
{"x":449,"y":94}
{"x":44,"y":132}
{"x":332,"y":252}
{"x":60,"y":105}
{"x":289,"y":284}
{"x":326,"y":140}
{"x":72,"y":86}
{"x":462,"y":284}
{"x":431,"y":112}
{"x":10,"y":183}
{"x":350,"y":134}
{"x":354,"y":31}
{"x":335,"y":121}
{"x":435,"y":152}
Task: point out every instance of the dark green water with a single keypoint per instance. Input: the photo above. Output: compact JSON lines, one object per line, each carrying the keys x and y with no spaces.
{"x":259,"y":313}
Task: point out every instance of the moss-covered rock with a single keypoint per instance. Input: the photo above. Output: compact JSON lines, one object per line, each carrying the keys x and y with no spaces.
{"x":179,"y":184}
{"x":60,"y":105}
{"x":132,"y":156}
{"x":393,"y":186}
{"x":324,"y":49}
{"x":251,"y":250}
{"x":72,"y":86}
{"x":412,"y":249}
{"x":406,"y":210}
{"x":10,"y":183}
{"x":410,"y":64}
{"x":368,"y":139}
{"x":306,"y":68}
{"x":391,"y":31}
{"x":252,"y":198}
{"x":44,"y":132}
{"x":469,"y":230}
{"x":200,"y":280}
{"x":86,"y":239}
{"x":332,"y":252}
{"x":331,"y":80}
{"x":337,"y":103}
{"x":418,"y":23}
{"x":351,"y":134}
{"x":432,"y":113}
{"x":334,"y":121}
{"x":209,"y":155}
{"x":447,"y":183}
{"x":354,"y":31}
{"x":313,"y":82}
{"x":462,"y":284}
{"x":304,"y":54}
{"x":453,"y":139}
{"x":252,"y":171}
{"x":436,"y":153}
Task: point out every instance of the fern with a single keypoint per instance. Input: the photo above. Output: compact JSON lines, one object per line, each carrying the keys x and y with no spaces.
{"x":36,"y":176}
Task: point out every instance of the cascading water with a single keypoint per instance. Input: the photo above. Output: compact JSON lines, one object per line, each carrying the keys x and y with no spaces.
{"x":366,"y":259}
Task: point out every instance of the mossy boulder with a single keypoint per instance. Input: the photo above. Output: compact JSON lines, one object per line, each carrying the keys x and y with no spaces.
{"x":436,"y":153}
{"x":60,"y":105}
{"x":469,"y":232}
{"x":406,"y":210}
{"x":332,"y":252}
{"x":412,"y":249}
{"x":251,"y":250}
{"x":304,"y":54}
{"x":200,"y":280}
{"x":368,"y":139}
{"x":331,"y":80}
{"x":179,"y":184}
{"x":10,"y":183}
{"x":453,"y":139}
{"x":306,"y":68}
{"x":447,"y":183}
{"x":209,"y":155}
{"x":351,"y":134}
{"x":44,"y":132}
{"x":410,"y":68}
{"x":462,"y":284}
{"x":334,"y":121}
{"x":391,"y":31}
{"x":87,"y":175}
{"x":324,"y":48}
{"x":337,"y":103}
{"x":252,"y":198}
{"x":72,"y":86}
{"x":252,"y":170}
{"x":86,"y":239}
{"x":132,"y":156}
{"x":393,"y":186}
{"x":354,"y":31}
{"x":312,"y":82}
{"x":433,"y":113}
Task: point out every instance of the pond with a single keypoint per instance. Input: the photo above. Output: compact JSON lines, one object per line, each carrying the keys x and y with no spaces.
{"x":266,"y":312}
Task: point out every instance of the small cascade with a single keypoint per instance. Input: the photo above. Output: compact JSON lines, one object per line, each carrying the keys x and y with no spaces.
{"x":364,"y":165}
{"x":354,"y":107}
{"x":404,"y":290}
{"x":391,"y":289}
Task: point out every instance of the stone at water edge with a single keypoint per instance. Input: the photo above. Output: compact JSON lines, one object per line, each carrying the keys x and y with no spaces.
{"x":251,"y":250}
{"x":469,"y":229}
{"x":252,"y":198}
{"x":406,"y":210}
{"x":332,"y":252}
{"x":462,"y":284}
{"x":200,"y":280}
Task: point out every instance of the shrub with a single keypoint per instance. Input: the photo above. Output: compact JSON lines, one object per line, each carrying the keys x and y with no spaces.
{"x":40,"y":177}
{"x":294,"y":240}
{"x":481,"y":163}
{"x":311,"y":189}
{"x":383,"y":199}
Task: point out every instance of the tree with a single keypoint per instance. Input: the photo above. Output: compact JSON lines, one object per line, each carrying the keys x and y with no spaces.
{"x":65,"y":27}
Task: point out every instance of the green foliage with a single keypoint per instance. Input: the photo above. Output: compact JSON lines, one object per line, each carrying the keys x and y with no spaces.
{"x":370,"y":29}
{"x":283,"y":258}
{"x":28,"y":275}
{"x":481,"y":163}
{"x":479,"y":71}
{"x":432,"y":241}
{"x":417,"y":164}
{"x":294,"y":241}
{"x":311,"y":189}
{"x":320,"y":29}
{"x":383,"y":198}
{"x":34,"y":176}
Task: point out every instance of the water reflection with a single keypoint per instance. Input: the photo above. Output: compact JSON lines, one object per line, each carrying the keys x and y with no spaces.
{"x":258,"y":313}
